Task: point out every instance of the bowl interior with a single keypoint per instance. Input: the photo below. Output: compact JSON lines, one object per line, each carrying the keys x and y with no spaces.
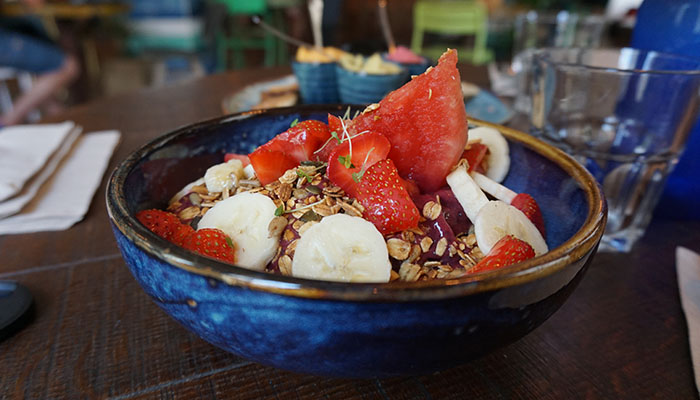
{"x":569,"y":199}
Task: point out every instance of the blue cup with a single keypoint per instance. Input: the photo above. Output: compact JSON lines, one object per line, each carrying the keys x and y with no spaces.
{"x":317,"y":82}
{"x":363,"y":88}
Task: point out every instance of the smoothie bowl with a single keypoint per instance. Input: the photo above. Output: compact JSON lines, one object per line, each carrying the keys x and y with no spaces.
{"x":401,"y":305}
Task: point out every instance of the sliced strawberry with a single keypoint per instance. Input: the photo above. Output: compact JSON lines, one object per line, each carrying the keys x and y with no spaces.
{"x":232,"y":156}
{"x":475,"y":156}
{"x":387,"y":203}
{"x":426,"y":123}
{"x":211,"y":243}
{"x":162,"y":223}
{"x":288,"y":149}
{"x":525,"y":203}
{"x":335,"y":124}
{"x":367,"y":149}
{"x":270,"y":164}
{"x":507,"y":251}
{"x":181,"y":234}
{"x":301,"y":140}
{"x":335,"y":128}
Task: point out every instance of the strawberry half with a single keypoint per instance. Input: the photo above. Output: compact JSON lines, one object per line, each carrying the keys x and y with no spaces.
{"x":270,"y":164}
{"x":525,"y":203}
{"x":507,"y":251}
{"x":367,"y":149}
{"x":387,"y":203}
{"x":211,"y":243}
{"x":162,"y":223}
{"x":288,"y":149}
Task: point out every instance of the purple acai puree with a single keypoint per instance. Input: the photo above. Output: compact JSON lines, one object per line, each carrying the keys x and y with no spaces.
{"x":451,"y":223}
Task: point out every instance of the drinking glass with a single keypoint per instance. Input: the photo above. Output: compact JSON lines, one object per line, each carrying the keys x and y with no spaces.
{"x":623,"y":113}
{"x":535,"y":30}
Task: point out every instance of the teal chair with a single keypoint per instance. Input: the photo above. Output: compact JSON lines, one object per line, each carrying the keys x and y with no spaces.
{"x":242,"y":35}
{"x":451,"y":18}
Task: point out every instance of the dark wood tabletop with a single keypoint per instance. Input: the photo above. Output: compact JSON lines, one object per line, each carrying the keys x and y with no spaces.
{"x":96,"y":334}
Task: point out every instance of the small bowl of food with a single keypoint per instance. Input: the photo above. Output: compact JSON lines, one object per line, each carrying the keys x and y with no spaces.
{"x":398,"y":242}
{"x":364,"y":80}
{"x":315,"y":70}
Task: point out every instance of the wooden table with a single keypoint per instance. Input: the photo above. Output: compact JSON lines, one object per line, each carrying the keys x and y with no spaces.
{"x":622,"y":333}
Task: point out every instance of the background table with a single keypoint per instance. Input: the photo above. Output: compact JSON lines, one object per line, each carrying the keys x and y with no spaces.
{"x":96,"y":334}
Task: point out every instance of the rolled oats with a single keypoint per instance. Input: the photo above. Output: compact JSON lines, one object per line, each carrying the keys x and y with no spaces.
{"x":441,"y":246}
{"x":409,"y":272}
{"x":432,"y":210}
{"x":276,"y":226}
{"x":189,"y":212}
{"x":284,"y":191}
{"x":350,"y":209}
{"x":285,"y":265}
{"x":398,"y":249}
{"x":425,"y":244}
{"x":305,"y":227}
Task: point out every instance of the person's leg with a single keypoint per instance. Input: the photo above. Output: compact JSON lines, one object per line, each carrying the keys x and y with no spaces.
{"x":55,"y":70}
{"x":42,"y":90}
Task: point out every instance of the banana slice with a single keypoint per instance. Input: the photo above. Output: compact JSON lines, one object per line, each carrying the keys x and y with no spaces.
{"x":499,"y":153}
{"x":493,"y":188}
{"x":245,"y":218}
{"x":249,"y":172}
{"x":467,"y":192}
{"x":342,"y":248}
{"x":223,"y":176}
{"x":185,"y":190}
{"x":498,"y":219}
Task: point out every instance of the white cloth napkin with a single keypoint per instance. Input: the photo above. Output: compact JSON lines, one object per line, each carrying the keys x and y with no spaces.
{"x":24,"y":149}
{"x":65,"y":198}
{"x":14,"y":204}
{"x":688,"y":269}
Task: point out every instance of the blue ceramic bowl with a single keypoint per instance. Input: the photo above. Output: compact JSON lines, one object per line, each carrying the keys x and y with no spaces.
{"x":362,"y":88}
{"x":341,"y":329}
{"x":317,"y":82}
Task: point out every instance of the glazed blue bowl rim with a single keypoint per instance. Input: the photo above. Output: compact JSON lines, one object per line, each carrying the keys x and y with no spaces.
{"x":575,"y":248}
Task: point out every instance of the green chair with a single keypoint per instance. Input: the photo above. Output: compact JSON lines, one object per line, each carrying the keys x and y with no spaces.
{"x":243,"y":36}
{"x":451,"y":18}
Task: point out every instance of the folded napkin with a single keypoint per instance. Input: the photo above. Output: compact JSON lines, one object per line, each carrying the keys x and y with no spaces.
{"x":25,"y":149}
{"x":688,"y":268}
{"x":65,"y":198}
{"x":14,"y":204}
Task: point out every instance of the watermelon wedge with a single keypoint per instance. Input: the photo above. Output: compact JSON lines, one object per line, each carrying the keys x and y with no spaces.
{"x":425,"y":122}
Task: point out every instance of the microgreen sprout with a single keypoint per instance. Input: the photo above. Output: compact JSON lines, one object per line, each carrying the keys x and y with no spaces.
{"x":302,"y":174}
{"x":294,"y":123}
{"x":279,"y":210}
{"x":357,"y":176}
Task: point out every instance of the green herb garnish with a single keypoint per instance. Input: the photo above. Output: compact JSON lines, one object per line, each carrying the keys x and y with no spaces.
{"x":357,"y":176}
{"x":334,"y":134}
{"x":302,"y":174}
{"x":294,"y":123}
{"x":279,"y":211}
{"x":346,"y":161}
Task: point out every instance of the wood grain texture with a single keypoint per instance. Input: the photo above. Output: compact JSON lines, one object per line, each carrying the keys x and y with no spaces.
{"x":96,"y":334}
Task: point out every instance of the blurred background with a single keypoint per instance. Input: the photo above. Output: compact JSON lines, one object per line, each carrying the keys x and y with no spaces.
{"x":70,"y":52}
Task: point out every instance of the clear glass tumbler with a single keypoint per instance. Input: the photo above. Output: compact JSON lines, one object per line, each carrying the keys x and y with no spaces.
{"x":623,"y":113}
{"x":534,"y":30}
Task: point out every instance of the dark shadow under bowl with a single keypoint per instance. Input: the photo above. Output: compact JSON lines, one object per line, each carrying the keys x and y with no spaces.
{"x":340,"y":329}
